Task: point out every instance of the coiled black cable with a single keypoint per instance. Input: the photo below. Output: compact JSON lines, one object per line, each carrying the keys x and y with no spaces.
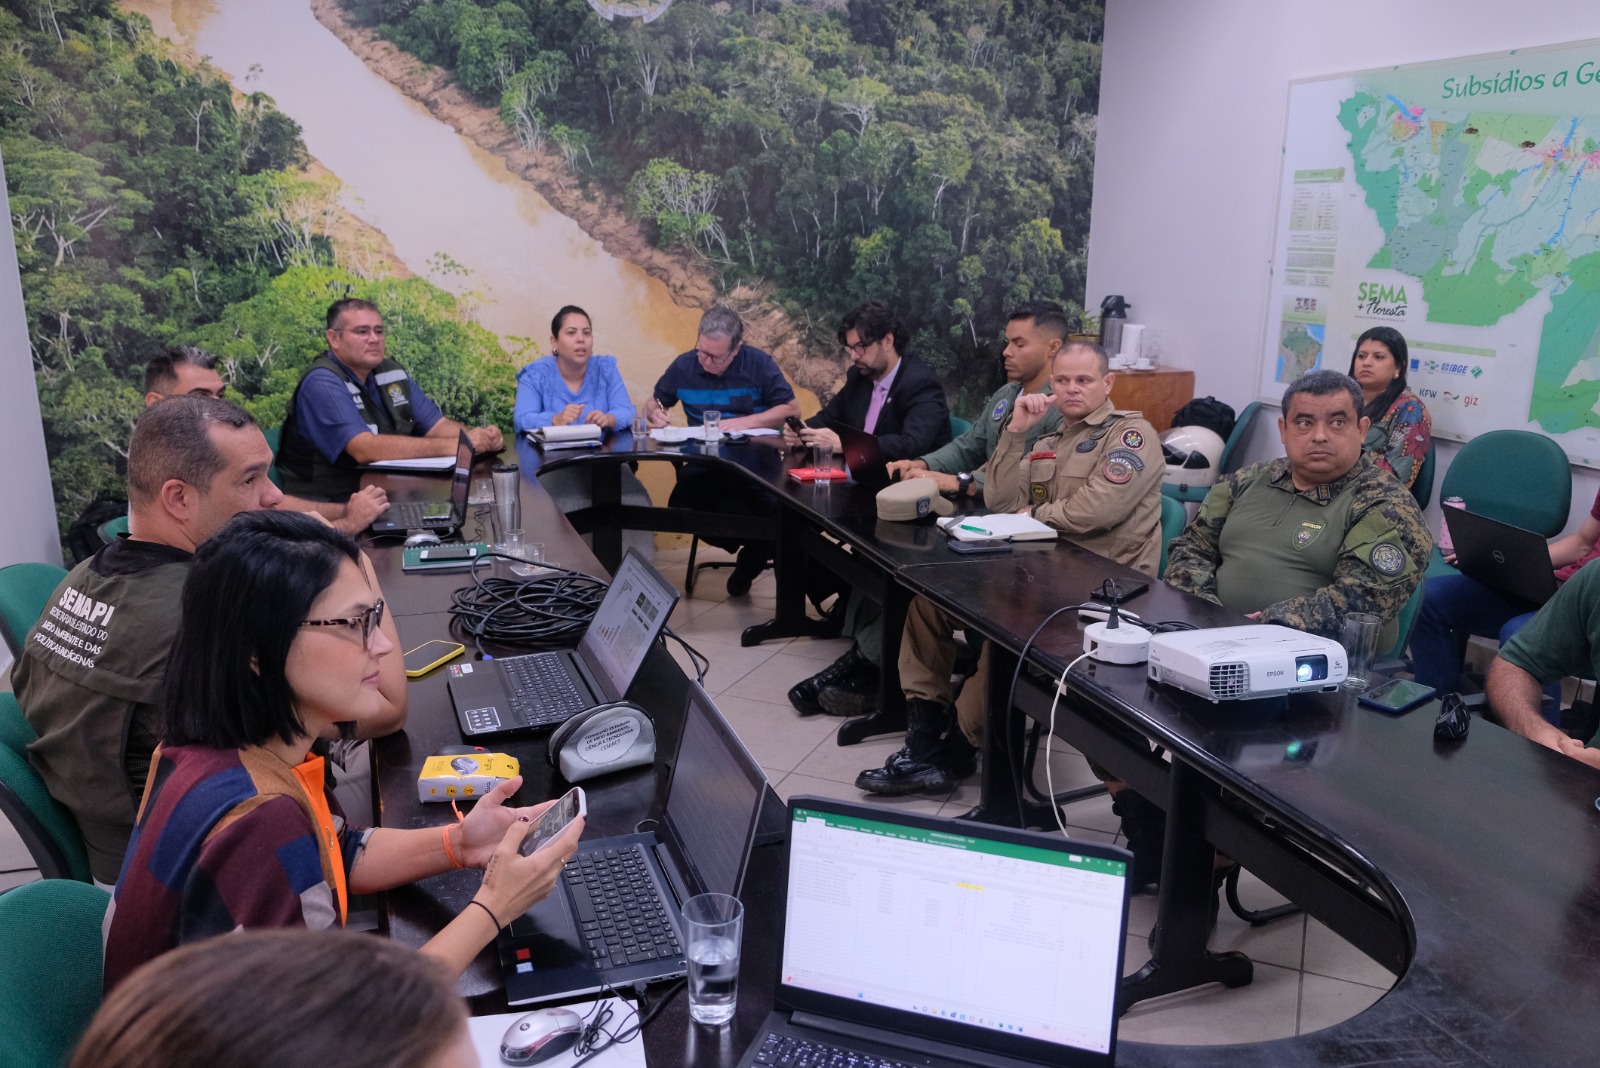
{"x":547,"y":611}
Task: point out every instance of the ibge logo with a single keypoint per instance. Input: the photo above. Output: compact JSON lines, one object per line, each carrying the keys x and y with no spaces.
{"x":1377,"y":298}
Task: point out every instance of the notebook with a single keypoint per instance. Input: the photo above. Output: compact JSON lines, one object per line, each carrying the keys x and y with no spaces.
{"x":1505,"y":558}
{"x":520,"y":693}
{"x":862,"y":456}
{"x":560,"y":947}
{"x":941,"y":942}
{"x":997,"y":525}
{"x":429,"y":506}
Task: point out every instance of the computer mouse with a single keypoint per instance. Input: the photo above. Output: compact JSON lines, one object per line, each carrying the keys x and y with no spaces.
{"x":453,"y":750}
{"x":422,"y":537}
{"x":541,"y":1035}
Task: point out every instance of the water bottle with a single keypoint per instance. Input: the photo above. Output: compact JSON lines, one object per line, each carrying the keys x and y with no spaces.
{"x":507,"y":500}
{"x":1113,"y":317}
{"x":1446,"y":546}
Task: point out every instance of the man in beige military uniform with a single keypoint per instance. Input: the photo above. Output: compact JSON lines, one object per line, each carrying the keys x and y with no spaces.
{"x":1097,"y":480}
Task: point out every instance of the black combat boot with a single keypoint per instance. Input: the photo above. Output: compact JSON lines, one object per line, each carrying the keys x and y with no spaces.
{"x":1144,"y":825}
{"x":849,"y":667}
{"x":923,"y":765}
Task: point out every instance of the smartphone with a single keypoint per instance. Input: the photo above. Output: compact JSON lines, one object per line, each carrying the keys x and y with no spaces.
{"x":555,"y":819}
{"x":436,"y":553}
{"x":429,"y":655}
{"x":793,"y":423}
{"x":984,"y":545}
{"x":1400,"y":695}
{"x":1118,"y":593}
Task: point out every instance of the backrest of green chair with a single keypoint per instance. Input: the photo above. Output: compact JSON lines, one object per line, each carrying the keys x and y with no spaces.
{"x":15,"y":731}
{"x":273,"y":434}
{"x":24,"y":591}
{"x":1422,"y":488}
{"x":46,"y":828}
{"x":112,"y":527}
{"x":1407,"y":616}
{"x":959,"y":426}
{"x":1514,"y":476}
{"x":1174,"y":516}
{"x":52,"y":965}
{"x":1226,"y":465}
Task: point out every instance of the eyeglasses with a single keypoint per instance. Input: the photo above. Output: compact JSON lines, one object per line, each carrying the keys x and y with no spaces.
{"x":362,"y":331}
{"x":859,"y":347}
{"x":366,"y":622}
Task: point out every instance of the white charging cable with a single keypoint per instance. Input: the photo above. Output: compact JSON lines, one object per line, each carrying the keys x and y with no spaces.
{"x":1049,"y":735}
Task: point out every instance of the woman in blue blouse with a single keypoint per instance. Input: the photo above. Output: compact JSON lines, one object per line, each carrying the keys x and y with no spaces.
{"x":572,"y":385}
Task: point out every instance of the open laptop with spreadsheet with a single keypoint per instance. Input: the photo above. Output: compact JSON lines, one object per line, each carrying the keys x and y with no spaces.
{"x":520,"y":693}
{"x":427,"y":506}
{"x":937,"y":942}
{"x":596,"y":929}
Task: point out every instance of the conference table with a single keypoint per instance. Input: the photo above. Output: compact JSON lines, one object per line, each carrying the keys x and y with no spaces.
{"x":1467,"y":868}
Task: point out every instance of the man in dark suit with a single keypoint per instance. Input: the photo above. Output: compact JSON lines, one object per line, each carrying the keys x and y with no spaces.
{"x":899,"y":400}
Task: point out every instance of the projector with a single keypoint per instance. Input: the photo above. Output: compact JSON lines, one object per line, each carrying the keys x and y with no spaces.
{"x":1237,"y":663}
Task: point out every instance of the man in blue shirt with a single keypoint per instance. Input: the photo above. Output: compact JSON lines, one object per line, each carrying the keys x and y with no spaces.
{"x":355,"y":406}
{"x":725,"y":375}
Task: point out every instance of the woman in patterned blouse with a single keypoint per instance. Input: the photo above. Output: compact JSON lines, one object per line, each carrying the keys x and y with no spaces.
{"x":1401,"y":427}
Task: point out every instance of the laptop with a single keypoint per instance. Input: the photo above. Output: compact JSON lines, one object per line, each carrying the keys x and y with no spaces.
{"x":941,"y":942}
{"x":603,"y":927}
{"x":520,"y":693}
{"x":429,"y":507}
{"x":1507,"y":559}
{"x":863,"y":457}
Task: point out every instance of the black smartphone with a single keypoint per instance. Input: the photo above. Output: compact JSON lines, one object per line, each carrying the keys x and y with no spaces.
{"x":1118,"y":593}
{"x":429,"y":655}
{"x":985,"y":545}
{"x":793,"y":423}
{"x":1399,"y":695}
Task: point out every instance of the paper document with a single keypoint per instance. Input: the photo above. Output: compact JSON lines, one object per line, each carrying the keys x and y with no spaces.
{"x":571,"y":436}
{"x":998,"y":525}
{"x":417,"y":463}
{"x":487,"y":1031}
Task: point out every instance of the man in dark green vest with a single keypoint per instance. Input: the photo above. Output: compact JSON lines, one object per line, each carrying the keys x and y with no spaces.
{"x":355,"y":406}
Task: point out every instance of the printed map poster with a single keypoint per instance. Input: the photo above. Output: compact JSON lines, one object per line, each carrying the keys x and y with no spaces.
{"x":1458,"y":202}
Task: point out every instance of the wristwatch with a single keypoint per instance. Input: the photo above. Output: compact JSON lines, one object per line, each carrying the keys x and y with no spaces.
{"x":964,"y":484}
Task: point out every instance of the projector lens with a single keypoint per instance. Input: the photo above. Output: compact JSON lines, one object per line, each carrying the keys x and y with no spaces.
{"x":1310,"y":668}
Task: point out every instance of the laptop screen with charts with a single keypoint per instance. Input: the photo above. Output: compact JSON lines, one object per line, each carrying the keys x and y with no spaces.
{"x":946,"y":941}
{"x":425,"y":508}
{"x":581,"y":937}
{"x":518,"y":693}
{"x":1507,"y":559}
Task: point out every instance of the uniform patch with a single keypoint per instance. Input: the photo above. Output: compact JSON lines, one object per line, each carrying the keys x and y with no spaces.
{"x":397,"y":396}
{"x":924,"y":506}
{"x":1388,"y":559}
{"x":1086,"y":446}
{"x":1117,"y":471}
{"x":1133,"y":460}
{"x":999,"y":412}
{"x":1133,"y":439}
{"x":1307,"y":533}
{"x":1039,"y":493}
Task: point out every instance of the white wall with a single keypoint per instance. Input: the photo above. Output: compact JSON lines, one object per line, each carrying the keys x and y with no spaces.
{"x":30,"y":528}
{"x":1192,"y":105}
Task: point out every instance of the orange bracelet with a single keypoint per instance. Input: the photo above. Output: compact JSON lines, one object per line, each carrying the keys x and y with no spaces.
{"x":450,"y":852}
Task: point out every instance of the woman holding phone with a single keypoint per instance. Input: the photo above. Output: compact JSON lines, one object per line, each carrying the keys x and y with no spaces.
{"x":279,"y":646}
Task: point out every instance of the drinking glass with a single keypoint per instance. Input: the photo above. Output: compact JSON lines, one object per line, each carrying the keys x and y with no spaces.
{"x":712,"y":425}
{"x":714,"y":924}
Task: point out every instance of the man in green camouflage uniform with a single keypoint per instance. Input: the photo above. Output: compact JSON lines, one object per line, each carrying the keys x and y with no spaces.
{"x":1299,"y":541}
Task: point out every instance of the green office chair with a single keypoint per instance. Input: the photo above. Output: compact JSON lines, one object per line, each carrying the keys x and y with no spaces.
{"x":15,"y":730}
{"x":1514,"y":476}
{"x":52,"y":965}
{"x":46,"y":828}
{"x":1174,"y":517}
{"x":112,"y":527}
{"x":959,"y":426}
{"x":274,"y":435}
{"x":25,"y":589}
{"x":1225,"y":466}
{"x":1422,"y":488}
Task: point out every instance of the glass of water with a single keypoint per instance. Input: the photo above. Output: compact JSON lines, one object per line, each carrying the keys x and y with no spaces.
{"x":714,"y":924}
{"x":712,"y":421}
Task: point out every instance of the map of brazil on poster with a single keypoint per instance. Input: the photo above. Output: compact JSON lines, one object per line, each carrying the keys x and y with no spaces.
{"x":1458,"y":202}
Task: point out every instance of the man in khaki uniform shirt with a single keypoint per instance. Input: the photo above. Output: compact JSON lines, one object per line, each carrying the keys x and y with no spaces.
{"x":1097,"y":480}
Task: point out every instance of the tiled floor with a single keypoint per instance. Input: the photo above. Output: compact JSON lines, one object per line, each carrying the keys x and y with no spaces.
{"x":1306,"y":977}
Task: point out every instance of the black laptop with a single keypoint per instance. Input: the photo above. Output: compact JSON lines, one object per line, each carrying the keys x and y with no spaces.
{"x":520,"y":693}
{"x":427,"y":505}
{"x":616,"y":916}
{"x":913,"y":940}
{"x":863,"y":457}
{"x":1507,"y":559}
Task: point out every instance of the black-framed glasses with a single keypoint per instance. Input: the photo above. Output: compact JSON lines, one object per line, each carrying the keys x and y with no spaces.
{"x":859,"y":347}
{"x":366,"y":622}
{"x":362,"y":331}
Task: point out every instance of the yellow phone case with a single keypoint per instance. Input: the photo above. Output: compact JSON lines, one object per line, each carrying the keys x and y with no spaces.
{"x":451,"y":651}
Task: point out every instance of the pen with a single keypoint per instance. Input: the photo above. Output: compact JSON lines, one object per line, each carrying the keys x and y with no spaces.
{"x":977,"y":530}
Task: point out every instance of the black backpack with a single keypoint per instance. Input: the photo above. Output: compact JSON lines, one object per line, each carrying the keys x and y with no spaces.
{"x":1207,"y":412}
{"x":83,"y":536}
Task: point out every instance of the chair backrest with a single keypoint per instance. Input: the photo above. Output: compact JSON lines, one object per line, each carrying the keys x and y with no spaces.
{"x":1514,"y":476}
{"x":51,"y":969}
{"x":1422,"y":488}
{"x":46,"y":828}
{"x":112,"y":527}
{"x":1174,"y":516}
{"x":273,"y":434}
{"x":16,"y":733}
{"x":1407,"y":616}
{"x":959,"y":426}
{"x":1240,"y":426}
{"x":24,"y":591}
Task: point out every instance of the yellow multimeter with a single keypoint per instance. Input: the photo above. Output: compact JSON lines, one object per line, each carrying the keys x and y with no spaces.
{"x":429,"y":655}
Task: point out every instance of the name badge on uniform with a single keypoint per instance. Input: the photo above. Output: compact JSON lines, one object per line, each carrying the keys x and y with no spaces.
{"x":1041,"y":456}
{"x":1307,"y":533}
{"x":1087,"y":445}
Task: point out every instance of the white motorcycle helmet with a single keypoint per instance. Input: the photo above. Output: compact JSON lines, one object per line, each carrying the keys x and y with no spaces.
{"x":1194,"y":456}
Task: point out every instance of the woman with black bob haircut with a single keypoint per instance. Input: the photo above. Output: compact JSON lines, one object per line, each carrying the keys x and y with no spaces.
{"x":1397,"y":440}
{"x":280,"y":645}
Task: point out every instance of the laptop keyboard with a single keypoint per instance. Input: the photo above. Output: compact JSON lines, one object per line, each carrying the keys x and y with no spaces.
{"x":542,"y":692}
{"x":619,"y":911}
{"x":413,"y":514}
{"x":786,"y":1051}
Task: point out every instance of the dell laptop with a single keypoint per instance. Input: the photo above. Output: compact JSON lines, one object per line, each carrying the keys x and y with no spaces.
{"x":428,"y":507}
{"x":519,"y":693}
{"x":863,"y":457}
{"x":615,"y":917}
{"x":1507,"y":559}
{"x":912,"y":940}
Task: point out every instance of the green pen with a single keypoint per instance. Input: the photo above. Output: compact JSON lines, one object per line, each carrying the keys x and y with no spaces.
{"x":977,"y":530}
